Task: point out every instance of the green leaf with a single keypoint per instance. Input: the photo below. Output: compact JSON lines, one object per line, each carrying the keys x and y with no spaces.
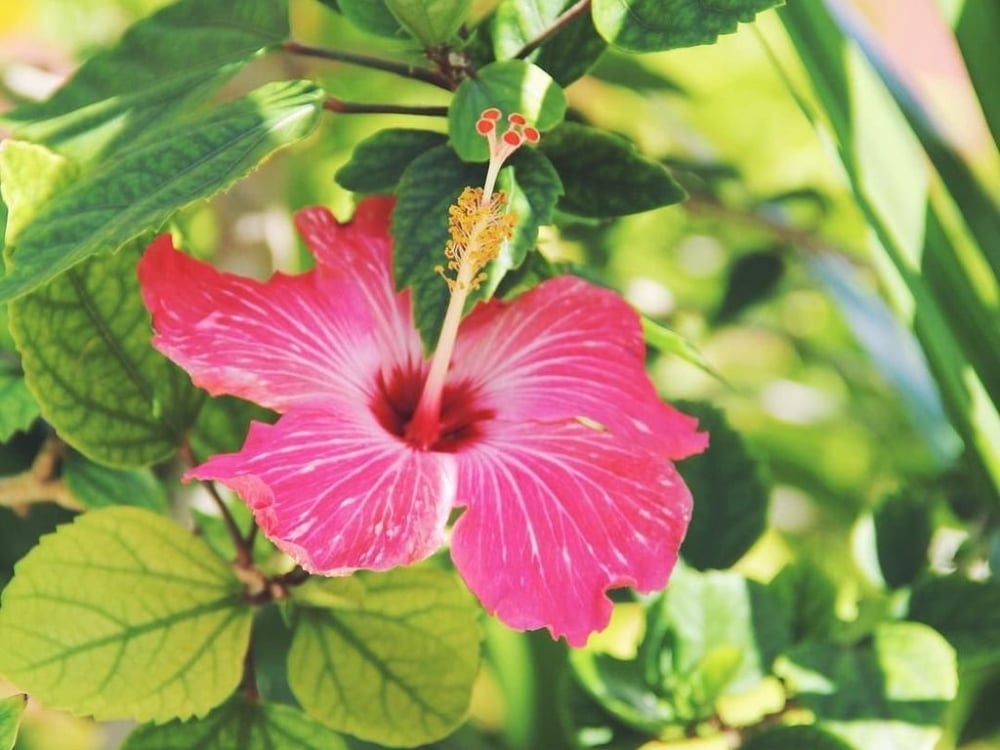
{"x":701,"y":612}
{"x":141,"y":188}
{"x":374,"y":17}
{"x":731,"y":511}
{"x":653,"y":25}
{"x":892,"y":693}
{"x":239,"y":724}
{"x":389,"y":657}
{"x":618,"y":686}
{"x":511,"y":86}
{"x":430,"y":21}
{"x":45,"y":174}
{"x":665,"y":341}
{"x":157,"y":70}
{"x":11,"y":710}
{"x":124,"y":615}
{"x":223,"y":423}
{"x":903,"y":529}
{"x":751,"y":279}
{"x":809,"y":599}
{"x":99,"y":486}
{"x":566,"y":56}
{"x":87,"y":358}
{"x":429,"y":185}
{"x":18,"y":408}
{"x":604,"y":176}
{"x":965,"y":612}
{"x":794,"y":738}
{"x":378,"y":162}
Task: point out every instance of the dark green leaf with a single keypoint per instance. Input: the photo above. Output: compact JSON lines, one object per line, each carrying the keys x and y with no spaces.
{"x":389,"y":657}
{"x":652,"y":25}
{"x":626,"y":71}
{"x":604,"y":176}
{"x":238,"y":724}
{"x":123,"y":614}
{"x":903,"y":529}
{"x":374,"y":17}
{"x":145,"y":185}
{"x":87,"y":357}
{"x":566,"y":56}
{"x":619,"y":688}
{"x":222,"y":425}
{"x":752,"y":278}
{"x":430,"y":184}
{"x":511,"y":86}
{"x":430,"y":21}
{"x":379,"y":161}
{"x":99,"y":486}
{"x":795,"y":738}
{"x":977,"y":31}
{"x":891,"y":693}
{"x":965,"y":612}
{"x":161,"y":67}
{"x":730,"y":511}
{"x":809,"y":598}
{"x":11,"y":709}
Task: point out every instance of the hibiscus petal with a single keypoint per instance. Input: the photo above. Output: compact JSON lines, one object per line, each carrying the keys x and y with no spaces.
{"x":336,"y":492}
{"x":570,"y":349}
{"x":290,"y":340}
{"x":361,"y":251}
{"x":558,"y":512}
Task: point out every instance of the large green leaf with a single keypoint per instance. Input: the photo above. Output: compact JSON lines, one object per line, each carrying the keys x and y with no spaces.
{"x":809,"y":600}
{"x":238,"y":724}
{"x":11,"y":710}
{"x":160,"y":67}
{"x":85,"y":349}
{"x":651,"y":25}
{"x":566,"y":56}
{"x":731,"y":509}
{"x":378,"y":162}
{"x":388,"y":657}
{"x":892,"y":694}
{"x":603,"y":175}
{"x":124,"y":615}
{"x":373,"y":16}
{"x":511,"y":86}
{"x":139,"y":189}
{"x":222,"y":425}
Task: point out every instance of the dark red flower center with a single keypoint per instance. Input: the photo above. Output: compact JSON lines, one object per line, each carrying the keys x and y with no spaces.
{"x":462,"y":411}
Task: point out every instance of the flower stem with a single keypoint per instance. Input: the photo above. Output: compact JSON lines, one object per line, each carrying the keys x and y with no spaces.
{"x":355,"y":108}
{"x":389,"y":66}
{"x":571,"y":14}
{"x":40,"y":483}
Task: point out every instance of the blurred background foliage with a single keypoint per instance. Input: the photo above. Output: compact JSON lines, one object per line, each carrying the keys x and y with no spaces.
{"x":767,"y":269}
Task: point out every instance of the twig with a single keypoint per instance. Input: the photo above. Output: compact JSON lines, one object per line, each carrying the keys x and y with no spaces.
{"x":244,"y":556}
{"x":354,"y":108}
{"x":39,"y":483}
{"x":389,"y":66}
{"x":250,"y":689}
{"x":571,"y":14}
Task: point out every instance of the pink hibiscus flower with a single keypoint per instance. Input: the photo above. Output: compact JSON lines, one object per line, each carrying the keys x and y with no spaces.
{"x":535,"y":416}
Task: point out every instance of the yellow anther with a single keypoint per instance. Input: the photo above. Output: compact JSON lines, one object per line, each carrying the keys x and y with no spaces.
{"x":478,"y":229}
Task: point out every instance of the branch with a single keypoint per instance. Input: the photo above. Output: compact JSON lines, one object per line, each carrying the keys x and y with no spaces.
{"x":39,"y":483}
{"x":389,"y":66}
{"x":571,"y":14}
{"x":354,"y":108}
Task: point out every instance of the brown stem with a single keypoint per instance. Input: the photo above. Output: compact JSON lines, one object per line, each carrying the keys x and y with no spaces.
{"x":244,"y":556}
{"x":389,"y":66}
{"x":570,"y":15}
{"x":250,"y":689}
{"x":39,"y":483}
{"x":354,"y":108}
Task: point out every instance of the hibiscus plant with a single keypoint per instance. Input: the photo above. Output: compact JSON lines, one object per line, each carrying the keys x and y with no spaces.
{"x":349,"y":394}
